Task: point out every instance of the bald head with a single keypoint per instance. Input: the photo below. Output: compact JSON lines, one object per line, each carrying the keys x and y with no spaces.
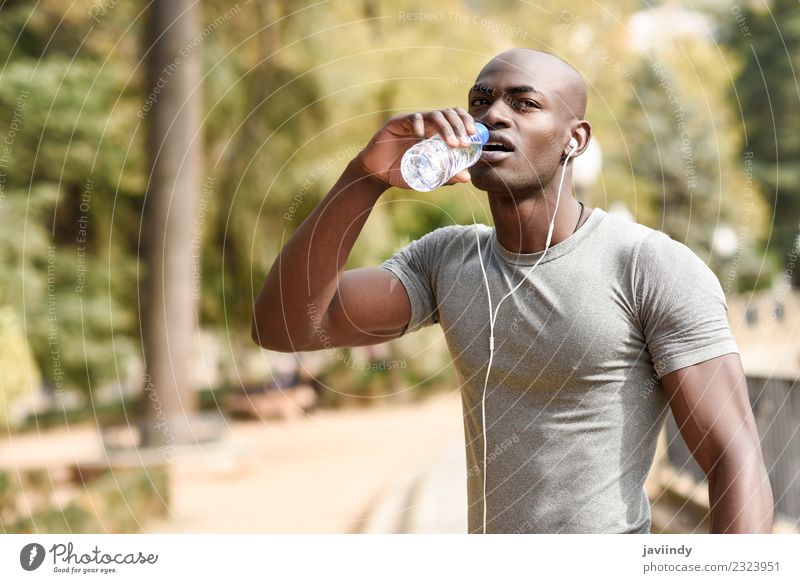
{"x":552,"y":75}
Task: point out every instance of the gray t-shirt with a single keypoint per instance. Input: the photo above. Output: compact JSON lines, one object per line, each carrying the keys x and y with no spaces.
{"x":574,"y":402}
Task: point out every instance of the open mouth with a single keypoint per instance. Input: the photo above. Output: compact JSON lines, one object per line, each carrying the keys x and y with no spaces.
{"x":497,"y":147}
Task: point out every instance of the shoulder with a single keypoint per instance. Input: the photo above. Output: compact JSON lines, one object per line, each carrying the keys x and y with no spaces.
{"x":452,"y":238}
{"x":452,"y":232}
{"x":626,"y":232}
{"x":665,"y":267}
{"x":440,"y":247}
{"x":623,"y":238}
{"x":647,"y":246}
{"x":660,"y":251}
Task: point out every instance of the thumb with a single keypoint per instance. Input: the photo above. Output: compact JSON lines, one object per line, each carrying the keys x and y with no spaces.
{"x":461,"y":177}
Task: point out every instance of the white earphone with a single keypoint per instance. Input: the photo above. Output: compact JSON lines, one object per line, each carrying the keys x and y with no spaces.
{"x":573,"y":144}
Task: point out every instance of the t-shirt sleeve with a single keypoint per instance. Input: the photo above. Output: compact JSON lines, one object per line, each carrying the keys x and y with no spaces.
{"x":681,"y":305}
{"x":416,"y":266}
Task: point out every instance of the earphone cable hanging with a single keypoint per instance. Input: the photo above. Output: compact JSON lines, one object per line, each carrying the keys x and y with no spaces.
{"x":493,"y":317}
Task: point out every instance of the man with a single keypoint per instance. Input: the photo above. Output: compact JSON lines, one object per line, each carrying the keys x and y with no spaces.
{"x":616,"y":323}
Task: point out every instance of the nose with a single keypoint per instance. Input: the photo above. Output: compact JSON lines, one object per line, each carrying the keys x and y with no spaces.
{"x":495,"y":116}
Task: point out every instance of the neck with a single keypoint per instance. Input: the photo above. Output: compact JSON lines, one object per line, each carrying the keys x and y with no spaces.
{"x":522,"y":221}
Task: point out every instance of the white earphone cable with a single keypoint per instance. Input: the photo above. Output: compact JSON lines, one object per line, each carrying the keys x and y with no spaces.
{"x":493,"y":317}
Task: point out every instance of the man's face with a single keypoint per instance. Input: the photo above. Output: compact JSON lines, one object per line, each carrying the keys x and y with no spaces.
{"x":529,"y":120}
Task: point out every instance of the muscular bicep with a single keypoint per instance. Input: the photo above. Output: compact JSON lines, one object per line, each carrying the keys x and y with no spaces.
{"x":712,"y":410}
{"x":370,"y":306}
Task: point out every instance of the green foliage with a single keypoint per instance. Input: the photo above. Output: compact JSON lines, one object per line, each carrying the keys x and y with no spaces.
{"x":73,"y":182}
{"x":684,"y":152}
{"x":768,"y":40}
{"x":19,"y":376}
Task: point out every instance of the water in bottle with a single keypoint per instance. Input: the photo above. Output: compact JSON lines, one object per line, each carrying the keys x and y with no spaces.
{"x":430,"y":163}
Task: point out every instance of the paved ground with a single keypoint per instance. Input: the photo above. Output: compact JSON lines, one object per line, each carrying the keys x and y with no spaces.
{"x":391,"y":468}
{"x":387,"y":469}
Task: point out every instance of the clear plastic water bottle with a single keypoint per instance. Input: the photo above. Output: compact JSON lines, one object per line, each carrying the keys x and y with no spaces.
{"x":431,"y":163}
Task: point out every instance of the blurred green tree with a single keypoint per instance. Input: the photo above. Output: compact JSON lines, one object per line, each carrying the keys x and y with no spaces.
{"x":765,"y":92}
{"x":72,"y":185}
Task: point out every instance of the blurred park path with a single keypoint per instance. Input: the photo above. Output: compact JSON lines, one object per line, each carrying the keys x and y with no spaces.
{"x":53,"y":449}
{"x":389,"y":467}
{"x":432,"y":500}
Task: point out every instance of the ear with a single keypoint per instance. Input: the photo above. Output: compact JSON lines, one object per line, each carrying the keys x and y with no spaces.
{"x":581,"y":133}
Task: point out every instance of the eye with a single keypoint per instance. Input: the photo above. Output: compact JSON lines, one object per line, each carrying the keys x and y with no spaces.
{"x":478,"y":101}
{"x":527,"y":104}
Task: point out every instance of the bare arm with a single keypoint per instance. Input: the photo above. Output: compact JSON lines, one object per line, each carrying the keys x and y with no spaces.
{"x":308,"y":301}
{"x":710,"y":404}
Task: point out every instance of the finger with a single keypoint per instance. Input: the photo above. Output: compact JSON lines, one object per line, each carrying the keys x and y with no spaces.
{"x":443,"y":127}
{"x":469,"y":121}
{"x":418,"y":125}
{"x":458,"y":126}
{"x":460,"y":178}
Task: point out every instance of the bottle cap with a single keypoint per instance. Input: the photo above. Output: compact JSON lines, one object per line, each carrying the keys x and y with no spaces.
{"x":481,"y":134}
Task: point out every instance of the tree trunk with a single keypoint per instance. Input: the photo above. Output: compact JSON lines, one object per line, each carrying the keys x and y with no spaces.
{"x":169,"y":227}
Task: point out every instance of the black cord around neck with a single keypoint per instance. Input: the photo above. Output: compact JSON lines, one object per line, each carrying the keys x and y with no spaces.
{"x":580,"y":216}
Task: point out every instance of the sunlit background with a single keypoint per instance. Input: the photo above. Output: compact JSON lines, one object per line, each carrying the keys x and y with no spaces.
{"x":151,"y":168}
